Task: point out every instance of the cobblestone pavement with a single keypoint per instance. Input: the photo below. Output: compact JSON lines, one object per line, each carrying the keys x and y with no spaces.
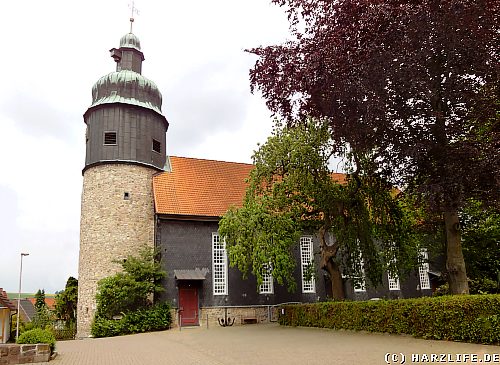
{"x":262,"y":344}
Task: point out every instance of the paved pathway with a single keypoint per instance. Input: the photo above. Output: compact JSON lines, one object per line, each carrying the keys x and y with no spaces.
{"x":258,"y":344}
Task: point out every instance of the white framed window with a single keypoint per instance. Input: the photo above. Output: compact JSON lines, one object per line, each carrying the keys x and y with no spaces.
{"x":360,"y":282}
{"x":219,"y":265}
{"x":393,"y":280}
{"x":267,"y":286}
{"x":423,"y":270}
{"x":307,"y":262}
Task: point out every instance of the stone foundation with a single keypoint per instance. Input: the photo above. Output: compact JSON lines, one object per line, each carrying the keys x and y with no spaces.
{"x":24,"y":354}
{"x":241,"y":315}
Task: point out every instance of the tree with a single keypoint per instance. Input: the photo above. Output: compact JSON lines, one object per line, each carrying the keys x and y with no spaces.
{"x":131,"y":289}
{"x":66,"y":302}
{"x":43,"y":315}
{"x":40,"y":304}
{"x":361,"y":226}
{"x":412,"y":84}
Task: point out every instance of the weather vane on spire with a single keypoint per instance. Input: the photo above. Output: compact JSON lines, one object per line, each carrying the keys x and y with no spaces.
{"x":133,"y":10}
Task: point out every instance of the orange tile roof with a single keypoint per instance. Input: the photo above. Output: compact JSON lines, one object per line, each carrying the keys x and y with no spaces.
{"x":207,"y":188}
{"x":49,"y":301}
{"x":197,"y":187}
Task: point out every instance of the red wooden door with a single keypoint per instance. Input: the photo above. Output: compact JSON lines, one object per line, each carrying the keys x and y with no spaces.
{"x":188,"y":304}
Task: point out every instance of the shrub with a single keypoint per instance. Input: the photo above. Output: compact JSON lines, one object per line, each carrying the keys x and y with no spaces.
{"x":156,"y":318}
{"x":131,"y":289}
{"x":38,"y":335}
{"x":483,"y":286}
{"x":469,"y":318}
{"x":477,"y":286}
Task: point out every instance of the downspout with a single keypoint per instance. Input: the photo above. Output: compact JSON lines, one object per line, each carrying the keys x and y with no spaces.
{"x":11,"y":316}
{"x":155,"y":239}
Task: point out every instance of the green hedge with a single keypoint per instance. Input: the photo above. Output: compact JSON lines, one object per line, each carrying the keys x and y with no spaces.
{"x":156,"y":318}
{"x":38,"y":335}
{"x":468,"y":318}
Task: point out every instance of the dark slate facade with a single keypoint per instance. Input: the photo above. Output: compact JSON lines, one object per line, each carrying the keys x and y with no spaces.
{"x":187,"y":245}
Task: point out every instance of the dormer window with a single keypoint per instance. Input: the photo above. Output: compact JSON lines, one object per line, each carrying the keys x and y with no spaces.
{"x":110,"y":138}
{"x":156,"y":146}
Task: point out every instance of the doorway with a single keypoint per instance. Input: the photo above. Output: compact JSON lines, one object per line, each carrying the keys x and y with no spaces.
{"x":188,"y":304}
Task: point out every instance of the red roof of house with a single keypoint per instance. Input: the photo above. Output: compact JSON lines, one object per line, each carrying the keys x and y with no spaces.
{"x":50,"y":302}
{"x":196,"y":187}
{"x":4,"y":300}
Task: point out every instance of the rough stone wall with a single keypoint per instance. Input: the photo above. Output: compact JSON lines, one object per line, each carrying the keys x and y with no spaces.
{"x":23,"y":354}
{"x":111,"y":227}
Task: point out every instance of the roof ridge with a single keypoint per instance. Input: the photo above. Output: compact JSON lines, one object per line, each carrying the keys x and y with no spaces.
{"x":212,"y":160}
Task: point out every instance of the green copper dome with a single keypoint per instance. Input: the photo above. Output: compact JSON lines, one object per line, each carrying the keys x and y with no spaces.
{"x":127,"y":87}
{"x":130,"y":40}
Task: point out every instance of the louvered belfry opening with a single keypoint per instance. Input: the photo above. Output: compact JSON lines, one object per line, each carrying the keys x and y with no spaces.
{"x":110,"y":138}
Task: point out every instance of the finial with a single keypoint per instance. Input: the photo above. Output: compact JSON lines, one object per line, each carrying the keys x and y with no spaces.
{"x":133,"y":10}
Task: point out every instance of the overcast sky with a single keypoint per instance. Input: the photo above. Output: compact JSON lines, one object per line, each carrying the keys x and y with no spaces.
{"x":54,"y":51}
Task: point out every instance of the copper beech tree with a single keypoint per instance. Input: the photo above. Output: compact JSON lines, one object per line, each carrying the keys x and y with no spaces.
{"x":412,"y":84}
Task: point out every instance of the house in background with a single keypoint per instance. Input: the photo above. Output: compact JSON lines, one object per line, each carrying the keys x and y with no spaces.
{"x":26,"y":308}
{"x":27,"y":305}
{"x":7,"y":309}
{"x":50,"y":302}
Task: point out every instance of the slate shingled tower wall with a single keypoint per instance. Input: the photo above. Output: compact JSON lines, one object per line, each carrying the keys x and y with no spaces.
{"x":125,"y":147}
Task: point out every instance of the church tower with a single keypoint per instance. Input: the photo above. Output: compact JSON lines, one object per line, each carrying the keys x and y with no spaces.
{"x":125,"y":147}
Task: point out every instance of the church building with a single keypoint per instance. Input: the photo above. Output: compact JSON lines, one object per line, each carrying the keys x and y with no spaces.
{"x":135,"y":195}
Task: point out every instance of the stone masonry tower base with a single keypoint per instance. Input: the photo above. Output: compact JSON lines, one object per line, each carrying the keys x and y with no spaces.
{"x":111,"y":227}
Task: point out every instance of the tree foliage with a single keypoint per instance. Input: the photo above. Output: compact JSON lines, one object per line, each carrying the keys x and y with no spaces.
{"x":43,"y":315}
{"x":40,"y":304}
{"x":481,"y":243}
{"x":293,"y":191}
{"x":131,"y":289}
{"x":412,"y":84}
{"x":66,"y":301}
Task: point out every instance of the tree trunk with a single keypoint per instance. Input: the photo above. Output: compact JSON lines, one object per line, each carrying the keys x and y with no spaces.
{"x":455,"y":264}
{"x":328,"y":263}
{"x":336,"y":278}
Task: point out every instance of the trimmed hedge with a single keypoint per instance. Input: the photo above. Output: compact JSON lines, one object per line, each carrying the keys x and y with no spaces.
{"x":467,"y":318}
{"x":38,"y":335}
{"x":156,"y":318}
